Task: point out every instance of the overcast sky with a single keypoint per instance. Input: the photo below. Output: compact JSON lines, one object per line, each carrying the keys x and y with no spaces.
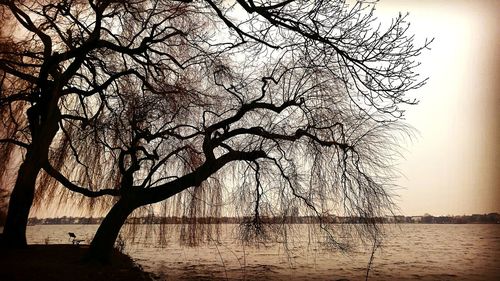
{"x":452,"y":165}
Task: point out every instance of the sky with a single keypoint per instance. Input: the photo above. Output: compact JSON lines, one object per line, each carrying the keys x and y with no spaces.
{"x":452,"y":164}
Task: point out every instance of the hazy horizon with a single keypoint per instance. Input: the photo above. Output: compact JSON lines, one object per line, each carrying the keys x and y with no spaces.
{"x":388,"y":215}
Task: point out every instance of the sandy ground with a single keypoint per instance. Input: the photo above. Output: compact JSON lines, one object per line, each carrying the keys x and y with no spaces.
{"x":63,"y":263}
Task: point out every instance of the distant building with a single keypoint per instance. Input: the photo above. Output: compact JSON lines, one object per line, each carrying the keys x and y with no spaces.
{"x":416,"y":219}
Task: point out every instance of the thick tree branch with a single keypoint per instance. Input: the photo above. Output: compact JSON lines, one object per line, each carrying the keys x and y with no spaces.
{"x":195,"y":178}
{"x":75,"y":188}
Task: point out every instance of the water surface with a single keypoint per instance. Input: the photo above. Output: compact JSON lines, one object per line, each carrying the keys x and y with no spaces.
{"x":408,"y":252}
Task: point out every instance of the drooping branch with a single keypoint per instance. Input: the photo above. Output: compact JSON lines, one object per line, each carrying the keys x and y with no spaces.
{"x":75,"y":188}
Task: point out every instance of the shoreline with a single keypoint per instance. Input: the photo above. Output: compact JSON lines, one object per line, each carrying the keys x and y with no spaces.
{"x":63,"y":262}
{"x":60,"y":262}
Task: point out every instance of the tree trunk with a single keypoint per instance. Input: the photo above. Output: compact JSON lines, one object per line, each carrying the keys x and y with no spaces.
{"x":21,"y":199}
{"x":14,"y":233}
{"x":102,"y":245}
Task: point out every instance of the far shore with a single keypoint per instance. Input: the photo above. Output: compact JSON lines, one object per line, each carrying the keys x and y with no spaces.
{"x":491,"y":218}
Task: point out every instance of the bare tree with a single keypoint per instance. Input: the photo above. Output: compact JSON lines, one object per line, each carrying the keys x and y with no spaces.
{"x":295,"y":114}
{"x":283,"y":106}
{"x":67,"y":54}
{"x":6,"y":150}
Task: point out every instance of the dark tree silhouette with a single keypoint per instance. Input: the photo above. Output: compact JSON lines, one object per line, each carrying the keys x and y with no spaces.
{"x":7,"y":150}
{"x":66,"y":55}
{"x":291,"y":109}
{"x":284,"y":107}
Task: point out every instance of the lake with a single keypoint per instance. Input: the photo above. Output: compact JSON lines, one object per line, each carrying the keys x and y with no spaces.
{"x":408,"y":252}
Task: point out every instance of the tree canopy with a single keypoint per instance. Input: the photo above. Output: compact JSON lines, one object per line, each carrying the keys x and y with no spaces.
{"x":279,"y":107}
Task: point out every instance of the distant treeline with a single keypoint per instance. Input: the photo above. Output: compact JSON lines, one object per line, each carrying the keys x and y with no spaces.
{"x":475,"y":218}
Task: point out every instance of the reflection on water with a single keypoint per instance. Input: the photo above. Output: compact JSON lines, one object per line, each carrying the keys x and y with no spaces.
{"x":409,"y":252}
